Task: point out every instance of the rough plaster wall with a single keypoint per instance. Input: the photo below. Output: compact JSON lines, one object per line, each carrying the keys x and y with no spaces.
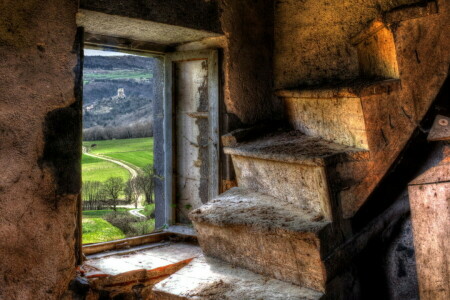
{"x":197,"y":14}
{"x":247,"y":65}
{"x":312,"y":38}
{"x":423,"y":56}
{"x":400,"y":265}
{"x":391,"y":118}
{"x":37,"y":199}
{"x":387,"y":266}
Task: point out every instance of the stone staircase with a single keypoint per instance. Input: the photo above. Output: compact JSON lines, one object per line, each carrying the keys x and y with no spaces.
{"x":283,"y":219}
{"x":298,"y":185}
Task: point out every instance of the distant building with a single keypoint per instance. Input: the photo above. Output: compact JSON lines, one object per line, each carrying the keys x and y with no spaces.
{"x":121,"y":93}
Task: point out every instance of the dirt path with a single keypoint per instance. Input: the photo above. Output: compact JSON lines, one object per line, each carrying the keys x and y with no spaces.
{"x":133,"y":173}
{"x":136,"y":213}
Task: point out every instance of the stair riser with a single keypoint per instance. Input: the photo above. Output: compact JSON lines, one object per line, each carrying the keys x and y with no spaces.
{"x":340,"y":120}
{"x":291,"y":257}
{"x":302,"y":185}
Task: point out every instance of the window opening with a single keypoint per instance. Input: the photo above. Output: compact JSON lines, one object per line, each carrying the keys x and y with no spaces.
{"x":120,"y":92}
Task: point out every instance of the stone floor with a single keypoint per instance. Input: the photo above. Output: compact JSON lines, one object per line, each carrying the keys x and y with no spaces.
{"x":179,"y":270}
{"x":156,"y":256}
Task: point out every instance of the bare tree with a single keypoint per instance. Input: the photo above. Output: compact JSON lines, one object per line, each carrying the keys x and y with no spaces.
{"x":112,"y":187}
{"x":145,"y":183}
{"x":135,"y":130}
{"x":131,"y":191}
{"x":93,"y":195}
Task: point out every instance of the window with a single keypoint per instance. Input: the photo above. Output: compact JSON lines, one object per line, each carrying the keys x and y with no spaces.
{"x":120,"y":93}
{"x":185,"y":132}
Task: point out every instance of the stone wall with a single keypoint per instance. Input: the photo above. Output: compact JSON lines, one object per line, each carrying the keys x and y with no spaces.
{"x":248,"y":61}
{"x":40,"y":141}
{"x":40,"y":123}
{"x":387,"y":267}
{"x":196,"y":14}
{"x":40,"y":112}
{"x":313,"y":46}
{"x":312,"y":38}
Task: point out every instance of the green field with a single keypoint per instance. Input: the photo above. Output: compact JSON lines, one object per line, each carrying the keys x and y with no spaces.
{"x":100,"y":213}
{"x":96,"y":230}
{"x":95,"y":169}
{"x":116,"y":74}
{"x":137,"y":152}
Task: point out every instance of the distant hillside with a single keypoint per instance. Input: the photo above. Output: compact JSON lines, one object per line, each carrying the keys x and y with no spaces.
{"x":103,"y":76}
{"x":118,"y":62}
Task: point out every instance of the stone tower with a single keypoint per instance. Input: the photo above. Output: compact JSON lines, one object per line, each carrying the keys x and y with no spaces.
{"x":121,"y":93}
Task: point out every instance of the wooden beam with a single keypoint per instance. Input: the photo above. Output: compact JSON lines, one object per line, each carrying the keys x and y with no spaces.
{"x":125,"y":243}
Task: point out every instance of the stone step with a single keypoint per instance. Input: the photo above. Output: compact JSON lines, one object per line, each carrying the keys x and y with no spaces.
{"x":334,"y":113}
{"x":265,"y":235}
{"x":292,"y":167}
{"x":209,"y":278}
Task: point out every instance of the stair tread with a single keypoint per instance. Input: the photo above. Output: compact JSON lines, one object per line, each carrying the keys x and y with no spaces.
{"x":296,"y":147}
{"x":355,"y":88}
{"x":239,"y":206}
{"x":209,"y":278}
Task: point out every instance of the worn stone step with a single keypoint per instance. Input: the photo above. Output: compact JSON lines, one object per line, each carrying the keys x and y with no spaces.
{"x":265,"y":235}
{"x":209,"y":278}
{"x":334,"y":113}
{"x":292,"y":167}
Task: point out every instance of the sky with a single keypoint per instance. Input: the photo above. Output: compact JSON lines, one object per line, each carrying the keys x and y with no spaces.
{"x":91,"y":52}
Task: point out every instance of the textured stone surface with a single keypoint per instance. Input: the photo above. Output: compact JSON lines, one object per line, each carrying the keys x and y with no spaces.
{"x":208,"y":278}
{"x":263,"y":234}
{"x":124,"y":274}
{"x":401,"y":265}
{"x":312,"y":41}
{"x":256,"y":210}
{"x":429,"y":195}
{"x":354,"y":88}
{"x":335,"y":112}
{"x":376,"y":52}
{"x":391,"y":118}
{"x":293,"y":146}
{"x":158,"y":256}
{"x":248,"y":61}
{"x":422,"y":55}
{"x":313,"y":38}
{"x":136,"y":29}
{"x":39,"y":178}
{"x":292,"y":167}
{"x":340,"y":120}
{"x":197,"y":14}
{"x":303,"y":186}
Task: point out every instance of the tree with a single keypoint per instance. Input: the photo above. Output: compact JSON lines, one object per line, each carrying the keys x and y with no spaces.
{"x":112,"y":187}
{"x":145,"y":183}
{"x":131,"y":191}
{"x":92,"y":192}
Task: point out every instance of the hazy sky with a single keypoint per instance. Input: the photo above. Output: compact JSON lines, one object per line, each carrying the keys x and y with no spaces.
{"x":90,"y":52}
